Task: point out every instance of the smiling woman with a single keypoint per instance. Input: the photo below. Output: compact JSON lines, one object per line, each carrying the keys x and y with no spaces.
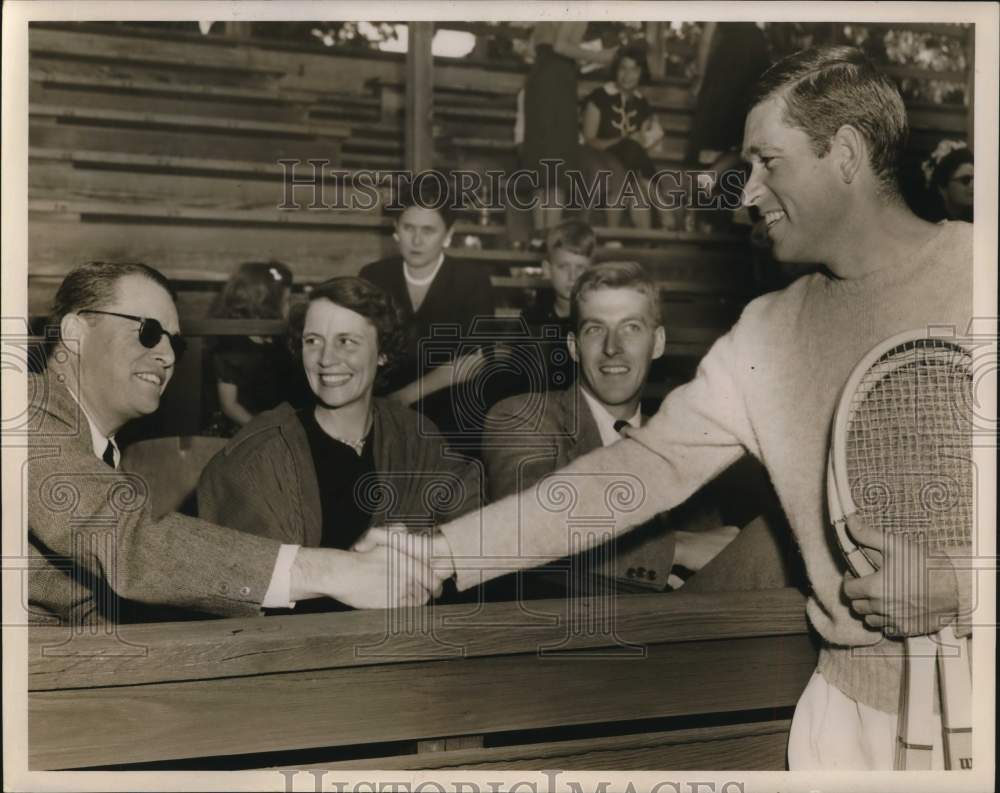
{"x":322,"y":475}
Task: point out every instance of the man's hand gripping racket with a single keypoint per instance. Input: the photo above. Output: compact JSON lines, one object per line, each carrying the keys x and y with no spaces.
{"x":900,"y":493}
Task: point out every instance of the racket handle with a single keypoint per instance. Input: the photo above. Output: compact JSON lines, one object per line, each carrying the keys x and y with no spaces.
{"x":956,"y":699}
{"x":856,"y":558}
{"x":916,"y":728}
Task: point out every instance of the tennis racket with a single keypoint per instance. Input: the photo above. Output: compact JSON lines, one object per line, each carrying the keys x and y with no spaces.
{"x":901,"y":457}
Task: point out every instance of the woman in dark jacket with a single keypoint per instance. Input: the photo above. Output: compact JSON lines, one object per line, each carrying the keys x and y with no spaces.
{"x":322,"y":475}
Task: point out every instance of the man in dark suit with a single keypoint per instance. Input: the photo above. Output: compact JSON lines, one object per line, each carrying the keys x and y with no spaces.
{"x":92,"y":536}
{"x":616,"y":334}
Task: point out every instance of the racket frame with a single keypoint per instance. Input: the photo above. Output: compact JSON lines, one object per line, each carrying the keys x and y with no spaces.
{"x":924,"y":654}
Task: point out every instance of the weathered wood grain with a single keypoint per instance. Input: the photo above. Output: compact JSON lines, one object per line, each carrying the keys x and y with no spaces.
{"x":232,"y":647}
{"x":757,"y":746}
{"x":217,"y":144}
{"x":405,"y":701}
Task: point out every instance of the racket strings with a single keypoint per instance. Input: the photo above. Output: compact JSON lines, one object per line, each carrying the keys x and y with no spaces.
{"x":908,"y":444}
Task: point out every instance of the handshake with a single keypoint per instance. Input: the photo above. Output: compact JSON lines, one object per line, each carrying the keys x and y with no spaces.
{"x":388,"y":567}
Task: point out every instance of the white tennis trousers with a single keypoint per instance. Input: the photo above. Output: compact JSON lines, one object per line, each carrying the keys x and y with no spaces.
{"x":831,"y":731}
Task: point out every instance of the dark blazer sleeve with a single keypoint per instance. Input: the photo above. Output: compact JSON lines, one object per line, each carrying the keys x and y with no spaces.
{"x":94,"y":524}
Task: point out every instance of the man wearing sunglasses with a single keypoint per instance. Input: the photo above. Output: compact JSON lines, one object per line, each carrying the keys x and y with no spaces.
{"x":92,"y":537}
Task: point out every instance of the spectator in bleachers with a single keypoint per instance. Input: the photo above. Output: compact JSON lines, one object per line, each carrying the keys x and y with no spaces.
{"x":617,"y":332}
{"x":731,"y":57}
{"x":619,"y":127}
{"x":569,"y":251}
{"x":319,"y":476}
{"x":97,"y":551}
{"x":551,"y":115}
{"x":441,"y":300}
{"x":252,"y":373}
{"x":949,"y":172}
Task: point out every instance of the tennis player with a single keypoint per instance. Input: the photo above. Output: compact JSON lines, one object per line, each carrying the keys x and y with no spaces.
{"x":824,"y":138}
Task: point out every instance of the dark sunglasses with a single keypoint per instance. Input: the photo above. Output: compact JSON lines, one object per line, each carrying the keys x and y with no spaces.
{"x":964,"y":180}
{"x":150,"y":331}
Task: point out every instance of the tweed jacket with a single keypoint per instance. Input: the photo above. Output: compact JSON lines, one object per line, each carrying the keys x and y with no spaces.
{"x":264,"y":481}
{"x":530,"y":436}
{"x":93,"y":541}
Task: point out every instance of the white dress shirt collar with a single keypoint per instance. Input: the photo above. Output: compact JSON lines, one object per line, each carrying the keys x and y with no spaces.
{"x":605,"y":421}
{"x":99,"y":440}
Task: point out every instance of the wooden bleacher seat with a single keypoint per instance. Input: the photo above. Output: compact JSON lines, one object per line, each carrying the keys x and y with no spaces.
{"x":171,"y":467}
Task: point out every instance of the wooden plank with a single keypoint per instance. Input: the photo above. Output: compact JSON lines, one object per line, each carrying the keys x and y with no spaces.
{"x":60,"y":63}
{"x":179,"y":142}
{"x":253,"y":646}
{"x":312,"y":251}
{"x":112,"y":117}
{"x":757,"y":746}
{"x":196,"y":214}
{"x":161,"y":162}
{"x":97,"y":209}
{"x":900,"y":71}
{"x":668,"y":237}
{"x":81,"y":182}
{"x":452,"y":743}
{"x":55,"y":247}
{"x":942,"y":118}
{"x":201,"y":105}
{"x":686,"y":286}
{"x":193,"y":55}
{"x":406,"y":701}
{"x":55,"y":73}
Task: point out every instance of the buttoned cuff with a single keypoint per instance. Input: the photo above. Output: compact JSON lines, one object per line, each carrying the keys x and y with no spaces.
{"x":278,"y":595}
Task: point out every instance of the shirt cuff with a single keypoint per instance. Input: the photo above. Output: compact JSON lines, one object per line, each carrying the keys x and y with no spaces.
{"x":278,"y":595}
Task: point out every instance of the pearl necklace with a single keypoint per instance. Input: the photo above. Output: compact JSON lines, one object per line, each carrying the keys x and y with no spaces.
{"x":359,"y":445}
{"x":421,"y":281}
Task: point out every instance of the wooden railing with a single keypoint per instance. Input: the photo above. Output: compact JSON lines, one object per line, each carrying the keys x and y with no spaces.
{"x":672,"y":680}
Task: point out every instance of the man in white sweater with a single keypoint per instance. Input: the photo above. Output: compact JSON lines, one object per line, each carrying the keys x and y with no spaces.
{"x":823,"y":138}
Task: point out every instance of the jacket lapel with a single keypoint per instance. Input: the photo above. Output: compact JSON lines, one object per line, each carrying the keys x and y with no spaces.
{"x":578,"y":423}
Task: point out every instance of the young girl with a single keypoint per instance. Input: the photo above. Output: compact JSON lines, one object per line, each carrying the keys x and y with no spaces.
{"x":252,"y":373}
{"x":619,"y":126}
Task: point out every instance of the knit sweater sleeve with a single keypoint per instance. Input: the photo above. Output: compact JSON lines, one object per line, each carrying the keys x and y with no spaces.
{"x":700,"y":429}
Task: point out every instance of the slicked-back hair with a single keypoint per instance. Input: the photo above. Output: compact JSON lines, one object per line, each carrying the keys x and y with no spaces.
{"x":370,"y":301}
{"x":255,"y":291}
{"x":574,"y":236}
{"x":94,"y":285}
{"x":615,"y":275}
{"x":826,"y":88}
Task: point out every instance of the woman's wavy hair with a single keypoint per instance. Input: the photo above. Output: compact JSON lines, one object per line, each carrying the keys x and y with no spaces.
{"x":371,"y":302}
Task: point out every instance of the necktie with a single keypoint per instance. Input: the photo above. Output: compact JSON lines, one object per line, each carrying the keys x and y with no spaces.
{"x":619,"y":425}
{"x":109,"y":454}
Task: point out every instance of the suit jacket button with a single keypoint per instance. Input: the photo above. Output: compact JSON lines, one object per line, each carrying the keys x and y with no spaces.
{"x":224,"y":588}
{"x":244,"y":590}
